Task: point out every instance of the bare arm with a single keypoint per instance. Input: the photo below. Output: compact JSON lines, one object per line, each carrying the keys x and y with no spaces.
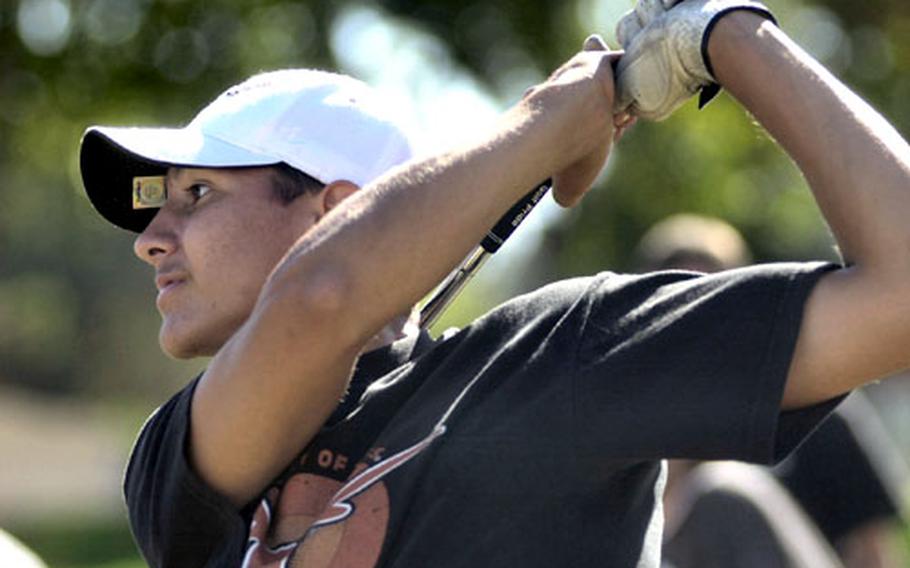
{"x":272,"y":386}
{"x":857,"y":322}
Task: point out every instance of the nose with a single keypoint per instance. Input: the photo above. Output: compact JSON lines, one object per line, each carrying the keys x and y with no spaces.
{"x":158,"y":240}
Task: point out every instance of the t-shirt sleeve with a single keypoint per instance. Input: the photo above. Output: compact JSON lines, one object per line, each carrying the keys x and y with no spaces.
{"x":176,"y":519}
{"x":679,"y":364}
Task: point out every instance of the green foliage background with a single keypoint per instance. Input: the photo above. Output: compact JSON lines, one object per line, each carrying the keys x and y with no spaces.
{"x":76,"y":310}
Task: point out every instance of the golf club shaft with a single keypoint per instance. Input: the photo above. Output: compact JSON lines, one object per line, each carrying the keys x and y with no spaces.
{"x":494,"y":239}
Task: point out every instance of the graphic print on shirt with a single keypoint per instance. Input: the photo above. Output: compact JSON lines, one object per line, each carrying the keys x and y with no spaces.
{"x":319,"y":522}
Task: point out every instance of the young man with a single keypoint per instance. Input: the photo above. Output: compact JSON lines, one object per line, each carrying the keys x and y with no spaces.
{"x":534,"y":436}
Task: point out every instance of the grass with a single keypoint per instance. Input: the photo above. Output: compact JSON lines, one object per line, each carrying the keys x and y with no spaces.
{"x":81,"y":544}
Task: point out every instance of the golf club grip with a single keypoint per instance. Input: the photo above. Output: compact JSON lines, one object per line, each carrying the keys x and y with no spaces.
{"x":513,"y":217}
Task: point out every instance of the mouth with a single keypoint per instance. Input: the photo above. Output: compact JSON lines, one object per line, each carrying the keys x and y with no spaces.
{"x":165,"y":281}
{"x":166,"y":285}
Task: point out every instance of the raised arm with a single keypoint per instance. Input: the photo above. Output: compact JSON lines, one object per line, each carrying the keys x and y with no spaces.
{"x":272,"y":386}
{"x":857,"y":321}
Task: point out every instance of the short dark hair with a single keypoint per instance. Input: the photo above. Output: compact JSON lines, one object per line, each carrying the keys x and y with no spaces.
{"x":289,"y":183}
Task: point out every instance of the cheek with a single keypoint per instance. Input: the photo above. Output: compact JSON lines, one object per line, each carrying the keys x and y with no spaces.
{"x":232,"y":260}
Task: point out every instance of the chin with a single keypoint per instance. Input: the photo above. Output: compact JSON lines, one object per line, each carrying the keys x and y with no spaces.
{"x":177,"y":350}
{"x":184,"y":345}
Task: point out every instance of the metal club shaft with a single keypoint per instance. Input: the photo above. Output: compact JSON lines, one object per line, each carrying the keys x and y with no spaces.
{"x":446,"y":292}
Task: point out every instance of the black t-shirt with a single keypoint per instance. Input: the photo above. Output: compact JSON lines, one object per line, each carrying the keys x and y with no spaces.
{"x":533,"y":437}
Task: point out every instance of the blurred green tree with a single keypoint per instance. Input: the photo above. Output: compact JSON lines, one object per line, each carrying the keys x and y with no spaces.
{"x":75,"y":311}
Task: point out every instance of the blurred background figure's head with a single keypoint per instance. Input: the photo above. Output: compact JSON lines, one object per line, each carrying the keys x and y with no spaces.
{"x":692,"y":242}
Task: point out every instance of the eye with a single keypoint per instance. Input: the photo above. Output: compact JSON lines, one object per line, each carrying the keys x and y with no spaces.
{"x":198,"y":190}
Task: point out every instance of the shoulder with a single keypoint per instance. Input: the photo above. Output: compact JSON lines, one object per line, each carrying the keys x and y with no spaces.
{"x":168,"y":420}
{"x":166,"y":500}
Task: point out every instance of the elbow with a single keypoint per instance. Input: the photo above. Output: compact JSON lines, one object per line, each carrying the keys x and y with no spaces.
{"x":318,"y":290}
{"x":312,"y":303}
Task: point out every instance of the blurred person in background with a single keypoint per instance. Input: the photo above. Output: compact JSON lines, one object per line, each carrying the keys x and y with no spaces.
{"x":848,"y":478}
{"x":687,"y":241}
{"x":853,"y":481}
{"x":533,"y":437}
{"x":736,"y":515}
{"x":724,"y":514}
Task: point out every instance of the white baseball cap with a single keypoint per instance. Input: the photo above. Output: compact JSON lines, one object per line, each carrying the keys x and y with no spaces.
{"x":329,"y":126}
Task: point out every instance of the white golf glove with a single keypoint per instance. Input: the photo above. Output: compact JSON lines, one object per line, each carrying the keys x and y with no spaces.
{"x":666,"y":57}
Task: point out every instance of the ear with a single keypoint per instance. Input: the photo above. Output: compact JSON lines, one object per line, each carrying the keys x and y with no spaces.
{"x":336,"y":192}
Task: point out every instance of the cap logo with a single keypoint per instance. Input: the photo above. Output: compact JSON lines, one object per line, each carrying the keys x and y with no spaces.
{"x":248,"y":85}
{"x":149,"y":192}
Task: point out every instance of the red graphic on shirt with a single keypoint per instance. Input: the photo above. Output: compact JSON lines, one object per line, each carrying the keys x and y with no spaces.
{"x":319,"y":522}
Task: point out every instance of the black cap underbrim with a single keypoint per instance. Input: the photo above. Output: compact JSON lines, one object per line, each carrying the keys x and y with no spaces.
{"x":107,"y":174}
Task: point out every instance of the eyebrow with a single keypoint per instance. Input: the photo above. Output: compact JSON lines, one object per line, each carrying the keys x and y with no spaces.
{"x":175,"y":173}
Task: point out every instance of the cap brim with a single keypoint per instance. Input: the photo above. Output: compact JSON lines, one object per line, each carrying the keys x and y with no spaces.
{"x":111,"y":157}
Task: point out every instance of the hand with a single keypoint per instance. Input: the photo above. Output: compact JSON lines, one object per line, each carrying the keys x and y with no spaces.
{"x":572,"y":183}
{"x":665,"y":61}
{"x":578,"y":97}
